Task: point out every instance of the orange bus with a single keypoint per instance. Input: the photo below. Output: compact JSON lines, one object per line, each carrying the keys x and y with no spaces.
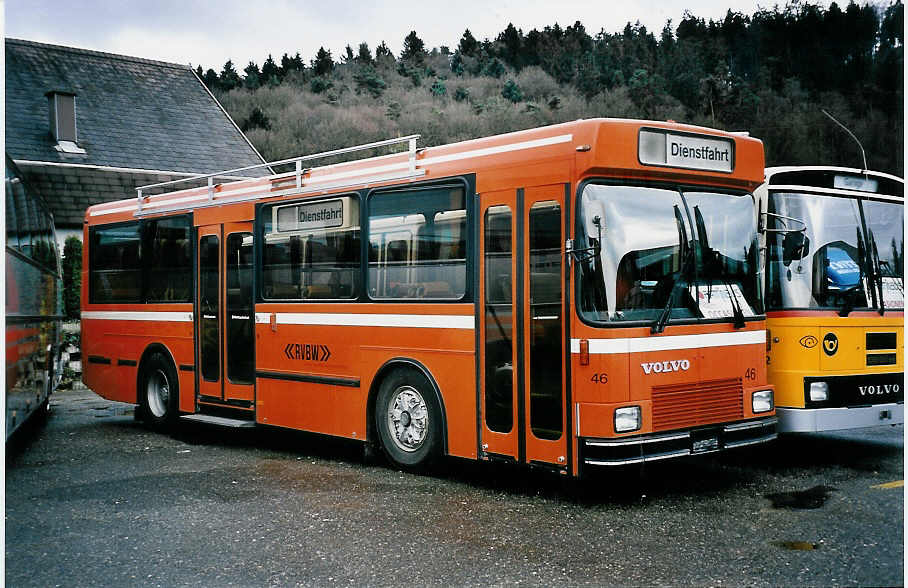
{"x":578,"y":295}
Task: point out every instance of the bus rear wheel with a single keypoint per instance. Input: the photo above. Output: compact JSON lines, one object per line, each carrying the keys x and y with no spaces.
{"x":158,"y":392}
{"x":408,"y":420}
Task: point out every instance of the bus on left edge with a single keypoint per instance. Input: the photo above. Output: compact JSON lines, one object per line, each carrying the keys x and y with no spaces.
{"x":34,"y":303}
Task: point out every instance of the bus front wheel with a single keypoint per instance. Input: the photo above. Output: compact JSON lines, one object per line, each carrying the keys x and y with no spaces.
{"x":158,"y":392}
{"x":408,"y":420}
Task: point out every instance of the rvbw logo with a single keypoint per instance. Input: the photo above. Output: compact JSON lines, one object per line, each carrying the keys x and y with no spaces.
{"x":658,"y":367}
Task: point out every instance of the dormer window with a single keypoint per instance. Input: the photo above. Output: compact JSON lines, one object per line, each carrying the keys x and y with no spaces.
{"x":62,"y":112}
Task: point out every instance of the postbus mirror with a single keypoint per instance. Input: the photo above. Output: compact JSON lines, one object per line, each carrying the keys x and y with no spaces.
{"x":795,"y":245}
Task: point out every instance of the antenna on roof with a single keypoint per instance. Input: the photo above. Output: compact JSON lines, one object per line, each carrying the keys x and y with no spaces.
{"x":863,"y":169}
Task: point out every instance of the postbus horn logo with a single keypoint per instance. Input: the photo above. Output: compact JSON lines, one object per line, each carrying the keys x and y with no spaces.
{"x":830,"y":344}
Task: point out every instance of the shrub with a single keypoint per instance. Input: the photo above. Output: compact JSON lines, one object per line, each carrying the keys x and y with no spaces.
{"x":438,"y":88}
{"x":257,"y":120}
{"x":393,"y":111}
{"x":72,"y":276}
{"x":511,"y":91}
{"x":368,"y":80}
{"x":494,"y":68}
{"x":536,"y":84}
{"x":319,"y":84}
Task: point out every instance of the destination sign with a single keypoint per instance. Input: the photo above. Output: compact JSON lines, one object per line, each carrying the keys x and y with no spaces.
{"x":862,"y":184}
{"x":321,"y":215}
{"x":662,"y":147}
{"x":327,"y":214}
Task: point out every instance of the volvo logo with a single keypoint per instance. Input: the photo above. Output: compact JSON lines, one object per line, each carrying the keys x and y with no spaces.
{"x":830,"y":344}
{"x":658,"y":367}
{"x":808,"y":341}
{"x":879,"y":390}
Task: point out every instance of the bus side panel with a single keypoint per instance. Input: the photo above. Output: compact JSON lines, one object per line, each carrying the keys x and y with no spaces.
{"x":317,"y":377}
{"x":112,"y":350}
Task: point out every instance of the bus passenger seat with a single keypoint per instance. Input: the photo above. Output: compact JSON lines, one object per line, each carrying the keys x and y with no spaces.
{"x":319,"y":291}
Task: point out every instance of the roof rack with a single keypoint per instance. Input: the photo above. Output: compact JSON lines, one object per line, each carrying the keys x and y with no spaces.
{"x":352,"y":179}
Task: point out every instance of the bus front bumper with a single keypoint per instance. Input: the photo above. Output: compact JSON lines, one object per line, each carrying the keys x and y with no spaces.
{"x":659,"y":446}
{"x":814,"y":420}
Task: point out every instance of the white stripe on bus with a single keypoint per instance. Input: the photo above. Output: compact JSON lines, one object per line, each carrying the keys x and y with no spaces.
{"x":669,"y":342}
{"x":121,"y":315}
{"x":420,"y":321}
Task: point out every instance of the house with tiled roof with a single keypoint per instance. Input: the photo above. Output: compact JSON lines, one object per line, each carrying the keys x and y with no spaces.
{"x":86,"y":127}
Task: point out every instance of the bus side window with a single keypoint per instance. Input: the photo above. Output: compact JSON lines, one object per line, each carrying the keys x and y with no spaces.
{"x":424,"y":255}
{"x":115,"y":273}
{"x":169,"y":277}
{"x":315,"y":264}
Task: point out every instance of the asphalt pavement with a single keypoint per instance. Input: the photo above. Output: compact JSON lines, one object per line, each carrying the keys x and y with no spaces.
{"x":93,"y":498}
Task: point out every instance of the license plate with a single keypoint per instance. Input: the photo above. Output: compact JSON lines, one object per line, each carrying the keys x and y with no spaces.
{"x":704,"y":445}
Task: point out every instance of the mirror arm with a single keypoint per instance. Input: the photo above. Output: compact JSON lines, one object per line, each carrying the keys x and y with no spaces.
{"x":764,"y":217}
{"x":586,"y":253}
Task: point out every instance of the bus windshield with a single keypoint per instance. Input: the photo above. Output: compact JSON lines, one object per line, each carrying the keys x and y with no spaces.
{"x":685,"y":254}
{"x":852,"y":252}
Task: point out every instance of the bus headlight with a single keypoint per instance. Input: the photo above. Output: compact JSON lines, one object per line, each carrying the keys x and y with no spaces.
{"x":819,"y":391}
{"x":627,"y":419}
{"x":761,"y":401}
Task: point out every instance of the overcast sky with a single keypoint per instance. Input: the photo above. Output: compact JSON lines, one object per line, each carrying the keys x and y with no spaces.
{"x":210,"y":32}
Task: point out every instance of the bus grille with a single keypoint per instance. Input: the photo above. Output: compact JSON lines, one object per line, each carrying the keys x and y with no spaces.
{"x":712,"y":401}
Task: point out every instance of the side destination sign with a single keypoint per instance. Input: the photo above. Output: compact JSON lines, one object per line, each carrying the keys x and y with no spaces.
{"x":665,"y":148}
{"x":325,"y":214}
{"x":321,"y":215}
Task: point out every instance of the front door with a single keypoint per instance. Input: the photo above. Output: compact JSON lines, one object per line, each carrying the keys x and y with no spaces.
{"x":226,"y":320}
{"x":522,"y":333}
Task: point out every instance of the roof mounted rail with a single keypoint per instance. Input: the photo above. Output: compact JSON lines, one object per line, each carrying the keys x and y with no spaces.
{"x":298,"y":174}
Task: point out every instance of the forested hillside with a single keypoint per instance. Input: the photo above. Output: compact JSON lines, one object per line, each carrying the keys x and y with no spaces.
{"x":769,"y":73}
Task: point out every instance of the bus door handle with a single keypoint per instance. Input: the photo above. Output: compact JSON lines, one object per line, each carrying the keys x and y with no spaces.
{"x":273,"y":321}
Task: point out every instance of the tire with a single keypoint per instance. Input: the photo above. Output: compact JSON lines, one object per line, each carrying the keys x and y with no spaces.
{"x":158,"y":392}
{"x":408,"y":420}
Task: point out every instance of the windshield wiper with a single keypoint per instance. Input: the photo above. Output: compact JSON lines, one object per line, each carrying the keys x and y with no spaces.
{"x":715,"y":268}
{"x":875,"y":268}
{"x":687,"y":258}
{"x":852,"y":293}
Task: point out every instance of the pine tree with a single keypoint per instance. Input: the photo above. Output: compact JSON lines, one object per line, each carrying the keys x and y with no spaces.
{"x":253,"y":76}
{"x":468,"y":44}
{"x":364,"y":56}
{"x":322,"y":65}
{"x":270,"y":70}
{"x":229,"y":78}
{"x":414,"y":50}
{"x":211,"y":80}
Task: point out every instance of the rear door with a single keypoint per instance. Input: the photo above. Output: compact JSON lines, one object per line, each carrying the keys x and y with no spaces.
{"x":225,"y":329}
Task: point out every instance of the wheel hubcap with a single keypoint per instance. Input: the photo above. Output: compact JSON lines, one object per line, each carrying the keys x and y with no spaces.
{"x":158,"y":393}
{"x":408,"y":418}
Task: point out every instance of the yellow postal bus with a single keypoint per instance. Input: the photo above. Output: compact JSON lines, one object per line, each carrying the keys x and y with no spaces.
{"x":834,"y":278}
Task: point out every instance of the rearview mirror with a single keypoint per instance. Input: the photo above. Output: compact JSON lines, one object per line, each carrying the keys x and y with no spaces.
{"x":795,"y":245}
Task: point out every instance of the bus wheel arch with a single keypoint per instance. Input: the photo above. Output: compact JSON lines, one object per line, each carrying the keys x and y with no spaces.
{"x":157,"y":387}
{"x":409,"y":379}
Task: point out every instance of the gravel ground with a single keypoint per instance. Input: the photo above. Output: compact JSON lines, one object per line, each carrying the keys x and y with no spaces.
{"x":94,"y":498}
